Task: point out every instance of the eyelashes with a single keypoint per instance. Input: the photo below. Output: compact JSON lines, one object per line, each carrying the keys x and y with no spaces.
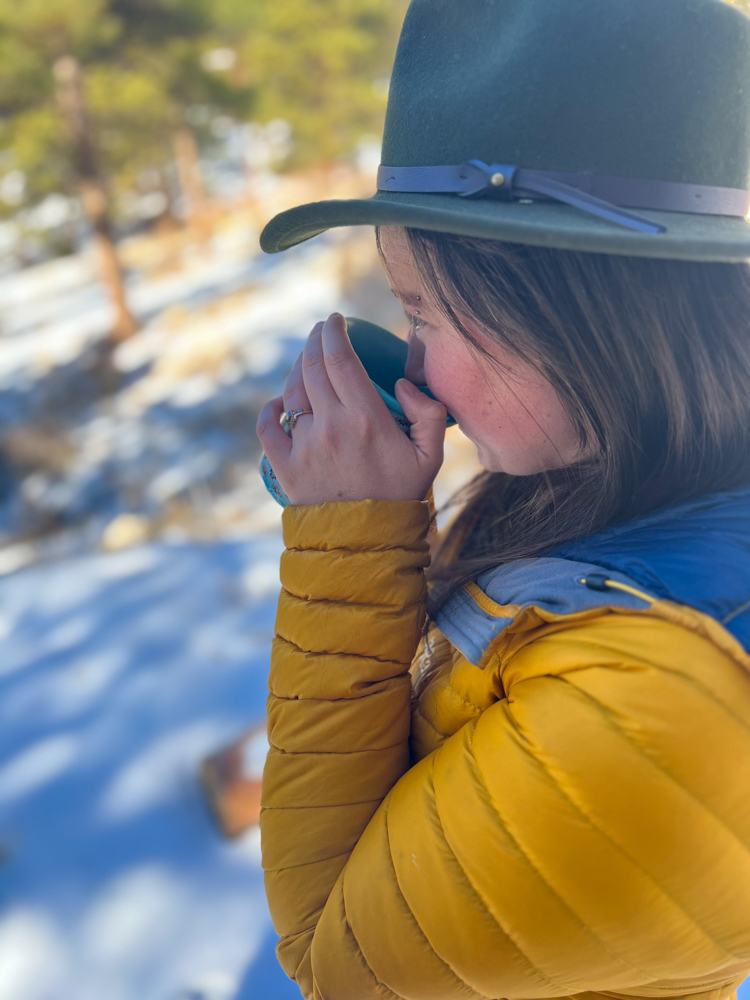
{"x":416,"y":323}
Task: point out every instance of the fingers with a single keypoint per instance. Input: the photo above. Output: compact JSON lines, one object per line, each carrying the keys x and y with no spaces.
{"x":345,"y":371}
{"x":428,"y":421}
{"x":277,"y":444}
{"x":295,"y":394}
{"x":318,"y":386}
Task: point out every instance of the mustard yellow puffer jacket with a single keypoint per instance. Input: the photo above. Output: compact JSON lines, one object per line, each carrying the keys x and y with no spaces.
{"x":570,"y":816}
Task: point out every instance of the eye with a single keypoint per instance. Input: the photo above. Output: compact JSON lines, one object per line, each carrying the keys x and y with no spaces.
{"x":416,"y":323}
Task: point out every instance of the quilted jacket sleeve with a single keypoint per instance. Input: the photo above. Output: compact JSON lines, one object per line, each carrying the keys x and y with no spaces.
{"x":588,"y":831}
{"x":350,"y":617}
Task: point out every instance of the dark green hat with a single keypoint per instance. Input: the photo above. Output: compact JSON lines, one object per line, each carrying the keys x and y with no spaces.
{"x":614,"y":126}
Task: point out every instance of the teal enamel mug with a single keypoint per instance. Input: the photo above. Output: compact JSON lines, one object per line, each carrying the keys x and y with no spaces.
{"x":383,"y":355}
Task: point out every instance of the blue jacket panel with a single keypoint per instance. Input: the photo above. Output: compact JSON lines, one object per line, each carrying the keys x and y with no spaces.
{"x":696,"y":554}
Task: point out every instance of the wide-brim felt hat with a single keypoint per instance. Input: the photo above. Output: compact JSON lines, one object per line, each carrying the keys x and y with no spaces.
{"x":610,"y":126}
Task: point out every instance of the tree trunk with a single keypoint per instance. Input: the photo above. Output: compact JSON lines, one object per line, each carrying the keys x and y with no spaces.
{"x":93,"y":193}
{"x":191,"y":183}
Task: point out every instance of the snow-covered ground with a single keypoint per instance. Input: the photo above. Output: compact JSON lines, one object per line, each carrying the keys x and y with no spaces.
{"x":118,"y":673}
{"x":174,"y":444}
{"x":120,"y":670}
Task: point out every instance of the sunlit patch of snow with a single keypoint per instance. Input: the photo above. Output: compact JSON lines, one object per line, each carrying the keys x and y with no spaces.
{"x":68,"y":633}
{"x":254,"y":753}
{"x":158,"y":773}
{"x":169,"y":483}
{"x":261,"y":579}
{"x":134,"y":916}
{"x":36,"y":766}
{"x":72,"y":689}
{"x":193,"y":391}
{"x":32,"y":955}
{"x":213,"y":986}
{"x":116,"y":883}
{"x":125,"y":564}
{"x":247,"y":847}
{"x":45,"y":281}
{"x":6,"y":625}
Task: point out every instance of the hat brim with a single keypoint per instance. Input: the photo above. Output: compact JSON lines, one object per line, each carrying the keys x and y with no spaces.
{"x":545,"y":224}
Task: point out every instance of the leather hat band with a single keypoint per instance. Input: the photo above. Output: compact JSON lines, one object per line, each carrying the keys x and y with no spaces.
{"x":605,"y":197}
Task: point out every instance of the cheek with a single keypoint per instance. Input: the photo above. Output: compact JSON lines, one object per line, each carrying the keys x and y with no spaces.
{"x":454,"y":373}
{"x":526,"y":431}
{"x":451,"y":372}
{"x":519,"y":427}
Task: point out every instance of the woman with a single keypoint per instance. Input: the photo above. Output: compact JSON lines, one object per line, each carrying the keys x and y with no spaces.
{"x":549,"y":798}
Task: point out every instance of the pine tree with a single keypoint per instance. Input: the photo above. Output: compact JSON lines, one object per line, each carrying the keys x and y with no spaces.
{"x":323,"y":65}
{"x":94,"y":92}
{"x":49,"y":132}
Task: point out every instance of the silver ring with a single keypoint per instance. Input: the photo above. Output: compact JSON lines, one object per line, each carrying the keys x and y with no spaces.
{"x":290,"y":418}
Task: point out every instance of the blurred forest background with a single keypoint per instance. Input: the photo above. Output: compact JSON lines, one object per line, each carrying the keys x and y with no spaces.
{"x":143,"y":144}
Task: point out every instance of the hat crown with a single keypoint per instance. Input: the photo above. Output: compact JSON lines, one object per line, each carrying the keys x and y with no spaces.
{"x":652,"y":89}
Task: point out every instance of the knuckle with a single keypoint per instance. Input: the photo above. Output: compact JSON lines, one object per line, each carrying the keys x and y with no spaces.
{"x":366,"y":428}
{"x":313,"y":363}
{"x":331,"y":435}
{"x":292,"y":382}
{"x":367,"y":421}
{"x":338,"y":359}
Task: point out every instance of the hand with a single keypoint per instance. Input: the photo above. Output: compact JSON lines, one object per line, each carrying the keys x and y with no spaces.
{"x":349,"y":448}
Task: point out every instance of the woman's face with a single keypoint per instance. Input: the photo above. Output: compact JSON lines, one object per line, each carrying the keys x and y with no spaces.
{"x":510,"y":412}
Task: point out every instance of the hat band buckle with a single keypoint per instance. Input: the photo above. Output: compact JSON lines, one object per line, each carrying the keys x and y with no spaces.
{"x":601,"y":196}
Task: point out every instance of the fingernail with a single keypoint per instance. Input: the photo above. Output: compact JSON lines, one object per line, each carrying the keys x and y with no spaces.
{"x":408,"y":386}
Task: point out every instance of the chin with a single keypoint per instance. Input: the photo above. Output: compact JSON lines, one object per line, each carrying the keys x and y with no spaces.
{"x":488,"y":461}
{"x":510,"y":466}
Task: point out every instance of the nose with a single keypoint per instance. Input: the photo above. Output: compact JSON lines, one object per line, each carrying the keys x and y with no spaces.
{"x":414,"y":369}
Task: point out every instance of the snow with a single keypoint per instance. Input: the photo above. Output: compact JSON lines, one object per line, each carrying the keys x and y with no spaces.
{"x":176,"y":440}
{"x":119,"y":673}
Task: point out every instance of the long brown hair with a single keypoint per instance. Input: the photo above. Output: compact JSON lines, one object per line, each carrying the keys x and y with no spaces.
{"x":651,"y":360}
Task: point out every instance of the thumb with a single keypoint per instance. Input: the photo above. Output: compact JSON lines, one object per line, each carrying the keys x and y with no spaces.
{"x":427,"y":417}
